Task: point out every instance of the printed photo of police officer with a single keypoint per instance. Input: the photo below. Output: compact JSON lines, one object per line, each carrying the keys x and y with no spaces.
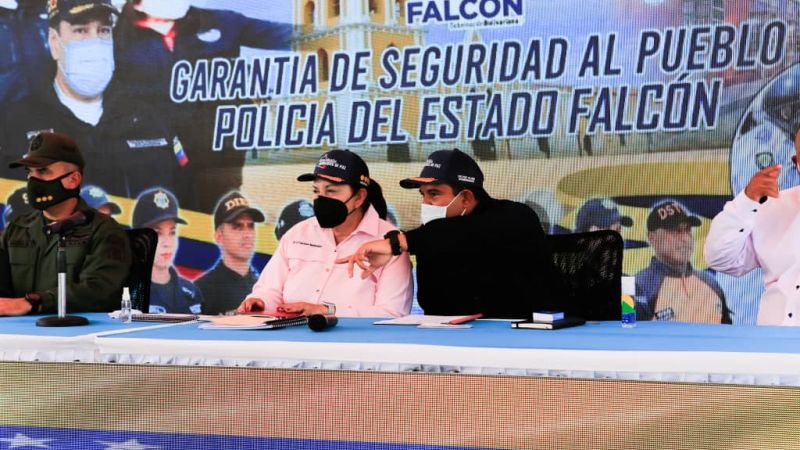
{"x":129,"y":144}
{"x":765,"y":136}
{"x":23,"y":48}
{"x":670,"y":288}
{"x":600,"y":214}
{"x":154,"y":34}
{"x":97,"y":198}
{"x":292,"y":214}
{"x":157,"y":208}
{"x":547,"y":207}
{"x":233,"y":276}
{"x":16,"y":205}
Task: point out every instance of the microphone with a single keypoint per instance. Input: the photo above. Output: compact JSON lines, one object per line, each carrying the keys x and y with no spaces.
{"x":319,"y":322}
{"x":64,"y":226}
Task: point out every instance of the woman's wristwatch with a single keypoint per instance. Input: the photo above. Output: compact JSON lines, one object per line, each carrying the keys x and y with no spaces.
{"x":331,"y":308}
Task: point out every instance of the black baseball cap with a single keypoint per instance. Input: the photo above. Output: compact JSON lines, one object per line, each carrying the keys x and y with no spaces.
{"x":670,"y":214}
{"x":47,"y":148}
{"x":233,"y":205}
{"x":453,"y":167}
{"x":340,"y":166}
{"x":68,"y":10}
{"x":16,"y":205}
{"x":155,"y":205}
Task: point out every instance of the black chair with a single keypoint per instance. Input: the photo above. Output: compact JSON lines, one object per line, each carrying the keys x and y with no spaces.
{"x":591,"y":268}
{"x":143,"y":250}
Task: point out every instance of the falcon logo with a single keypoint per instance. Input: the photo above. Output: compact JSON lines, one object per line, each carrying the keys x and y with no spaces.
{"x":460,"y":14}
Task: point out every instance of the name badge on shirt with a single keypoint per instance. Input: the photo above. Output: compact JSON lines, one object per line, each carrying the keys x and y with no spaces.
{"x":209,"y":36}
{"x":307,"y":244}
{"x":147,"y":143}
{"x":21,"y":243}
{"x":76,"y":242}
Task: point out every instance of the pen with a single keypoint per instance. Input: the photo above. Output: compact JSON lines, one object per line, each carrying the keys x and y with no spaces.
{"x":465,"y":319}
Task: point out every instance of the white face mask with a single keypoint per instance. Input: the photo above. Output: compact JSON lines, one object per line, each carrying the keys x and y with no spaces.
{"x":8,"y":4}
{"x":433,"y":212}
{"x":164,"y":9}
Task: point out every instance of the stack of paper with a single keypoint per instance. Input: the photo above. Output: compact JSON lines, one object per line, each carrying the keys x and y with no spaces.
{"x":431,"y":321}
{"x":251,"y":322}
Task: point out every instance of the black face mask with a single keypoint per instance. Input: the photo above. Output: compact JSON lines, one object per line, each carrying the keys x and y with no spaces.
{"x":330,"y":212}
{"x":44,"y":194}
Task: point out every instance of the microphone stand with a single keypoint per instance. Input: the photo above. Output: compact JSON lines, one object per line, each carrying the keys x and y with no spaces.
{"x":62,"y":319}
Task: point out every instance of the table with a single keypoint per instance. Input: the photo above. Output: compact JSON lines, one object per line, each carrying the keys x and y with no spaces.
{"x":665,"y":351}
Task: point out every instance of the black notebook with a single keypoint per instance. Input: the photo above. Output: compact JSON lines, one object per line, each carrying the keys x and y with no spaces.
{"x":286,"y":322}
{"x":566,"y":322}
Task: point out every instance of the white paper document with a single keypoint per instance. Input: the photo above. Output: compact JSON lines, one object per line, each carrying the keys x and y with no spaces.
{"x":430,"y":321}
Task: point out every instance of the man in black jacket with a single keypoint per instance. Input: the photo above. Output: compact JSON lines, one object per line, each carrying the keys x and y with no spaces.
{"x":475,"y":254}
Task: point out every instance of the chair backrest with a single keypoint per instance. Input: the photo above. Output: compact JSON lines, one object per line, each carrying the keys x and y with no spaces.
{"x":591,"y":266}
{"x":143,"y":250}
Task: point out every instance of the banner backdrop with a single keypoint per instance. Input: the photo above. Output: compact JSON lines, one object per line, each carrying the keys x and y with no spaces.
{"x":596,"y":114}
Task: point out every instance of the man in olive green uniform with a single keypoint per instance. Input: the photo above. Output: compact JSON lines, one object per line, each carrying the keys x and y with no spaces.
{"x":97,"y":251}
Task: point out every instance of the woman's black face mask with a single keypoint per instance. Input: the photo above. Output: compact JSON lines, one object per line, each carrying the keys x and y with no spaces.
{"x":331,"y":212}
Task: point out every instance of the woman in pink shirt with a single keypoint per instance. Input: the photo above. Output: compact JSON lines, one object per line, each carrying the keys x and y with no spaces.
{"x":303,"y":277}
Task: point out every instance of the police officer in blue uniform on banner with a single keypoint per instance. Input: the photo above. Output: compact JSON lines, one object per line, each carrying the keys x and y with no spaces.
{"x":157,"y":208}
{"x":16,"y":205}
{"x":292,"y":214}
{"x":600,"y":214}
{"x":232,"y":278}
{"x":24,"y":59}
{"x":97,"y":198}
{"x":150,"y":37}
{"x":131,"y":148}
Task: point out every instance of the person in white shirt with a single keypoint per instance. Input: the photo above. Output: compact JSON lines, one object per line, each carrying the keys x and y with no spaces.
{"x":760,"y":227}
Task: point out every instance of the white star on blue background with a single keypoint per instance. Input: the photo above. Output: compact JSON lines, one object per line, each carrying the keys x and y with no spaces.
{"x":130,"y":444}
{"x":20,"y":440}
